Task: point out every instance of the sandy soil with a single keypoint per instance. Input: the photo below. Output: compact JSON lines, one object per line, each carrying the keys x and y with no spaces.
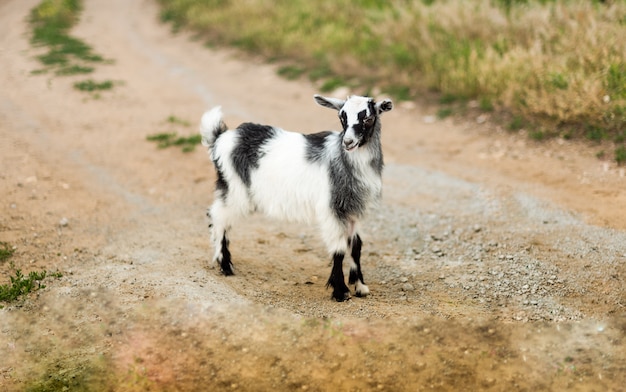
{"x":494,"y":263}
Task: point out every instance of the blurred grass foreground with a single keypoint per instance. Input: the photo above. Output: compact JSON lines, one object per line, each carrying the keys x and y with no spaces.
{"x":558,"y":63}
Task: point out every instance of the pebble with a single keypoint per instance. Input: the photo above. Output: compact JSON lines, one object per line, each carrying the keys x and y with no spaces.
{"x":408,"y":287}
{"x":64,"y":222}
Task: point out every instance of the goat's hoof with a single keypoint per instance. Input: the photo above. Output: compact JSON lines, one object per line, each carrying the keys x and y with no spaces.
{"x":341,"y":296}
{"x":361,"y":290}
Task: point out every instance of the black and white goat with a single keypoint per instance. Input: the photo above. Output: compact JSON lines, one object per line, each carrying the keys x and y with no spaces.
{"x":330,"y":178}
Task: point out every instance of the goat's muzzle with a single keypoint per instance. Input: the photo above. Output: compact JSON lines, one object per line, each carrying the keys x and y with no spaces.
{"x":350,"y":144}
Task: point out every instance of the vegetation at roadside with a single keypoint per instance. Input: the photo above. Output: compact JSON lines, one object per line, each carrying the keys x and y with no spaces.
{"x":20,"y":284}
{"x":6,"y":251}
{"x":51,"y":21}
{"x":552,"y":67}
{"x":91,"y":85}
{"x":172,"y":138}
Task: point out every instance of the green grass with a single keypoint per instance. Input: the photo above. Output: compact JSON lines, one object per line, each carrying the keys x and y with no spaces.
{"x":516,"y":123}
{"x":21,"y":285}
{"x":444,"y":113}
{"x":74,"y":69}
{"x":90,"y":85}
{"x":172,"y":138}
{"x":51,"y":21}
{"x":178,"y":121}
{"x":537,"y":135}
{"x":558,"y":64}
{"x":291,"y":72}
{"x":620,"y":154}
{"x":6,"y":251}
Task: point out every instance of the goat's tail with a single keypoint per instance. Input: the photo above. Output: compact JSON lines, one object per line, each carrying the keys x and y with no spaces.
{"x":212,"y":126}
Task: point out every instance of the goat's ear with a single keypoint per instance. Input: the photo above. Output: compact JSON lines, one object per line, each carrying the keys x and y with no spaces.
{"x":332,"y":103}
{"x":384,"y":106}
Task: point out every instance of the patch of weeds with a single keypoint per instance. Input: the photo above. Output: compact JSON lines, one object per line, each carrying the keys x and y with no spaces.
{"x":165,"y":140}
{"x":399,"y":92}
{"x":537,"y":135}
{"x":567,"y":135}
{"x":444,"y":112}
{"x":620,"y":155}
{"x":21,"y":285}
{"x":74,"y":70}
{"x":558,"y":80}
{"x":485,"y":104}
{"x":91,"y":85}
{"x":51,"y":21}
{"x":177,"y":121}
{"x":6,"y":251}
{"x":290,"y":72}
{"x":447,"y":99}
{"x":331,"y":84}
{"x":600,"y":154}
{"x":616,"y":80}
{"x":516,"y":123}
{"x":320,"y":72}
{"x":595,"y":134}
{"x":82,"y":374}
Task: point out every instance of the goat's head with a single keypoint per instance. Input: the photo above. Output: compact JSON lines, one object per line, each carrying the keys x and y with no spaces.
{"x":359,"y":117}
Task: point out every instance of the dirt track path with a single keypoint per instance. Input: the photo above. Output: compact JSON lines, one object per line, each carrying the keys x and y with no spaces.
{"x":494,"y":264}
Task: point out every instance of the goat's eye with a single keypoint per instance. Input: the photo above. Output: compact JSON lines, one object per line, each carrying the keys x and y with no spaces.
{"x":368,"y":121}
{"x":343,"y":120}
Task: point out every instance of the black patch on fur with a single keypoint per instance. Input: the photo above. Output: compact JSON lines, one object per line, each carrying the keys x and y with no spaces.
{"x":364,"y":131}
{"x":221,"y":185}
{"x":315,"y":145}
{"x":341,"y":292}
{"x":356,"y":256}
{"x":227,"y":264}
{"x":343,"y":117}
{"x":348,"y":194}
{"x":247,"y":153}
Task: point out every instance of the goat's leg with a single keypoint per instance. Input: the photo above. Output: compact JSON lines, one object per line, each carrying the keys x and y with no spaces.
{"x":356,"y":276}
{"x":218,"y":225}
{"x":341,"y":292}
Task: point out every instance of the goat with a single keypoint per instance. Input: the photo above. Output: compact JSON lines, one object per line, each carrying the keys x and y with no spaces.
{"x":328,"y":177}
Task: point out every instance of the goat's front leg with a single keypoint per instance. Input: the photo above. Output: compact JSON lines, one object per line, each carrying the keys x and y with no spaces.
{"x":356,"y":276}
{"x":341,"y":292}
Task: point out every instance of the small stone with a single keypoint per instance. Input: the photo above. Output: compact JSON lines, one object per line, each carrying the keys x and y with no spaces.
{"x":407,"y":287}
{"x":64,"y":222}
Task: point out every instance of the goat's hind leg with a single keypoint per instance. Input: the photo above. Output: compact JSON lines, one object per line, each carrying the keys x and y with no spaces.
{"x":218,"y":225}
{"x":356,"y":276}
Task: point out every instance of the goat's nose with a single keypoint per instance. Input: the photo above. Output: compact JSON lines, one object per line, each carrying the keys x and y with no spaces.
{"x":348,"y":142}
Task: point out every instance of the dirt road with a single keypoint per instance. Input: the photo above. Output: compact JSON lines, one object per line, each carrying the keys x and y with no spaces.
{"x":494,"y":263}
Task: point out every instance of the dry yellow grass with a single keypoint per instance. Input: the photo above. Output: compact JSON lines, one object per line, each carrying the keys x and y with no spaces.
{"x":561,"y":64}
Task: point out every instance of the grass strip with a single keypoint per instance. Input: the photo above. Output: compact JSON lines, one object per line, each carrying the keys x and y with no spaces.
{"x":51,"y":21}
{"x":560,"y":65}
